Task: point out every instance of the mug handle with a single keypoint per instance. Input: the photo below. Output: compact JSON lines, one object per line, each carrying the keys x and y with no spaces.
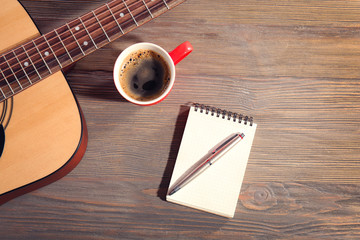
{"x":180,"y":52}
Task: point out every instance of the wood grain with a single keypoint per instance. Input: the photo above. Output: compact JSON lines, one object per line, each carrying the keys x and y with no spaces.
{"x":292,"y":65}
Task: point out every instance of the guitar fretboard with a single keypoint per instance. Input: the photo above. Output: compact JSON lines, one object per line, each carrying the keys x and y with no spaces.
{"x":37,"y":59}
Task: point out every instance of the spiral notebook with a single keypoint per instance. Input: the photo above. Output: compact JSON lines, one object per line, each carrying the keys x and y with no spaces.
{"x":217,"y":189}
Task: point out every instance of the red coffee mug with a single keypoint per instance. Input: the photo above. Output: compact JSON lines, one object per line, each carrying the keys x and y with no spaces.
{"x":171,"y":58}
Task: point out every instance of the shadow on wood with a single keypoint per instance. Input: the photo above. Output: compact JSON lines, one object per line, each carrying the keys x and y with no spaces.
{"x":175,"y":145}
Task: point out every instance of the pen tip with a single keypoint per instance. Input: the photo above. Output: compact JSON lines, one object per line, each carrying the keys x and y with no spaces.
{"x":174,"y":191}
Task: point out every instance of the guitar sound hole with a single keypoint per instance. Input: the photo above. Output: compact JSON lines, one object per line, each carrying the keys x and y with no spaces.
{"x":6,"y":108}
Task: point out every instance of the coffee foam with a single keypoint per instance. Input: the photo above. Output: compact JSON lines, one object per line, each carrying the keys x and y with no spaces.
{"x":134,"y":65}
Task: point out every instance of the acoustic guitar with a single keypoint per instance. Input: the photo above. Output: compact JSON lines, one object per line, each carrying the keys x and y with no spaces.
{"x":43,"y":134}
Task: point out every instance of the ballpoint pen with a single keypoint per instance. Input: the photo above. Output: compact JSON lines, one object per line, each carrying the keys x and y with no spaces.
{"x":213,"y":156}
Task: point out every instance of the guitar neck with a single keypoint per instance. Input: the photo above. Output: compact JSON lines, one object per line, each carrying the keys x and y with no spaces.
{"x":35,"y":60}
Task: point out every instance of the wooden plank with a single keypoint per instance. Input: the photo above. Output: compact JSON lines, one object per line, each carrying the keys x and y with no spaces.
{"x":292,"y":65}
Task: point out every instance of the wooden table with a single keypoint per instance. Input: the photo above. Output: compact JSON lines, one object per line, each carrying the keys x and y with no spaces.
{"x":292,"y":65}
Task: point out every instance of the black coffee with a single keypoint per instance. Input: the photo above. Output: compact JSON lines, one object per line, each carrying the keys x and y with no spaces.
{"x":144,"y":75}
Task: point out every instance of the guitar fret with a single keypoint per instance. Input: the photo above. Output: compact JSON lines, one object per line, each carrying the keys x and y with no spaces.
{"x":101,"y":26}
{"x":106,"y":17}
{"x":47,"y":42}
{"x":71,"y":44}
{"x":46,"y":55}
{"x":31,"y":62}
{"x":88,"y":34}
{"x":2,"y":93}
{"x":81,"y":36}
{"x":16,"y":71}
{"x":158,"y":7}
{"x":166,"y":4}
{"x":144,"y":10}
{"x":22,"y":68}
{"x":7,"y":82}
{"x":107,"y":5}
{"x":130,"y":13}
{"x":17,"y":80}
{"x":42,"y":57}
{"x":75,"y":39}
{"x":59,"y":48}
{"x":64,"y":45}
{"x":148,"y":9}
{"x":123,"y":19}
{"x":25,"y":64}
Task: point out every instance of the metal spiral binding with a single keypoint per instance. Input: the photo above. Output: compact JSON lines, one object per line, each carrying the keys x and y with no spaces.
{"x":224,"y":114}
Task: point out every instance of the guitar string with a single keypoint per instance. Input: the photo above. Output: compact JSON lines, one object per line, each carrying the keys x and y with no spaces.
{"x":106,"y":18}
{"x":44,"y":36}
{"x":71,"y":22}
{"x":96,"y":22}
{"x":111,"y":23}
{"x":85,"y":35}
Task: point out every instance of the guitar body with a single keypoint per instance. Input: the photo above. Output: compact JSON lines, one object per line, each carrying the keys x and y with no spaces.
{"x":45,"y":131}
